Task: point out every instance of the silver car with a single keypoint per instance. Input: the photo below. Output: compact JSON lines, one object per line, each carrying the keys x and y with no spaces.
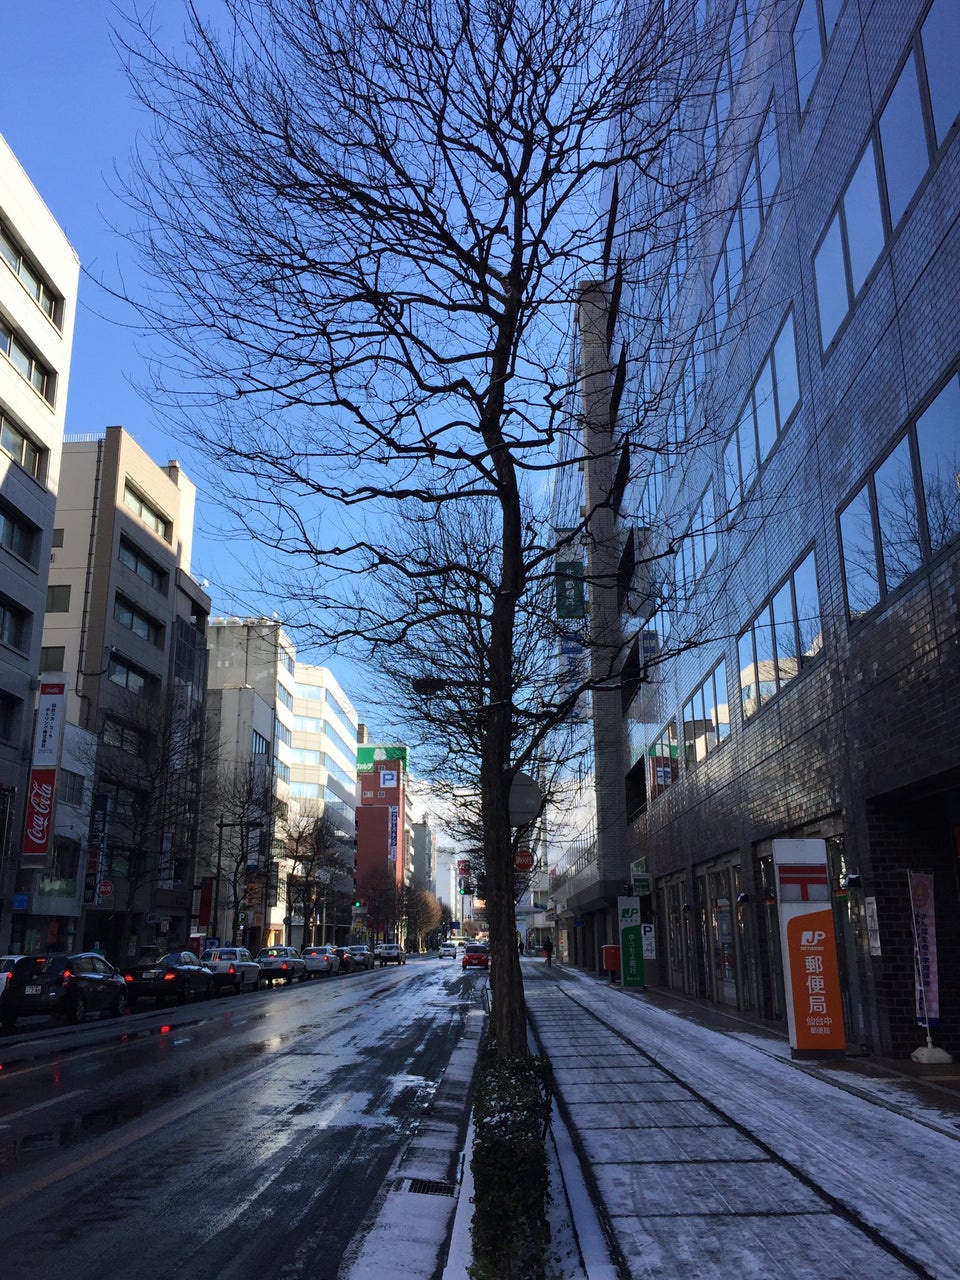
{"x":281,"y":964}
{"x":321,"y":960}
{"x":363,"y":957}
{"x":232,"y":967}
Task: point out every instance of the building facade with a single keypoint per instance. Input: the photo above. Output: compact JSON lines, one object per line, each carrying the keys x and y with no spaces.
{"x":39,"y":273}
{"x":816,"y":327}
{"x":126,"y":624}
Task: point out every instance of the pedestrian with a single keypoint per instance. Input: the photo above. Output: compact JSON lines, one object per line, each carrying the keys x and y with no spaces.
{"x":520,"y":946}
{"x":548,"y":951}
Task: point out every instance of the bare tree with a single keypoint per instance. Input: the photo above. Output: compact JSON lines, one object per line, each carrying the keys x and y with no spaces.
{"x":424,"y":914}
{"x":367,"y":222}
{"x":321,"y":859}
{"x":243,"y":798}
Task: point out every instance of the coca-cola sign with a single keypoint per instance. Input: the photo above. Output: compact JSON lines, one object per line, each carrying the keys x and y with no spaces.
{"x":38,"y":824}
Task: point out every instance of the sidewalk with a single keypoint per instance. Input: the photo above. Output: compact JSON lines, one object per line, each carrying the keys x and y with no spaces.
{"x":711,"y":1154}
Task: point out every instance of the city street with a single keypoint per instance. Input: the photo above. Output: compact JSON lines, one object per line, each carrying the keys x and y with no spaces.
{"x":238,"y":1137}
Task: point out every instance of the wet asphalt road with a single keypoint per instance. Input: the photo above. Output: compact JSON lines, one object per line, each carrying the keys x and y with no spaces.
{"x":239,"y":1138}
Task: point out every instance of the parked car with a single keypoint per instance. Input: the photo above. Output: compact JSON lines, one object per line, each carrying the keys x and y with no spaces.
{"x":347,"y":962}
{"x":392,"y":953}
{"x":178,"y":975}
{"x":232,"y":967}
{"x":448,"y":950}
{"x":281,"y":964}
{"x":475,"y":956}
{"x":63,"y":986}
{"x":363,"y":957}
{"x":6,"y":973}
{"x":321,"y":960}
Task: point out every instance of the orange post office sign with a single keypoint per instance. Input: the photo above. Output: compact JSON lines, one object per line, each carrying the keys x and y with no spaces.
{"x":808,"y":940}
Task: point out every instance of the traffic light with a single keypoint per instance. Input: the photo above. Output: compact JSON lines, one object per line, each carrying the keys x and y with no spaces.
{"x":481,"y":885}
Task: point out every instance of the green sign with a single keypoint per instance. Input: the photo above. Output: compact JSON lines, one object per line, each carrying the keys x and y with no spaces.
{"x":631,"y":943}
{"x":368,"y":756}
{"x":571,"y":602}
{"x":639,"y":877}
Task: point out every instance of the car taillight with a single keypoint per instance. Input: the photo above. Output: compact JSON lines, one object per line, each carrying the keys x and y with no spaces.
{"x":67,"y":977}
{"x":284,"y":965}
{"x":169,"y":977}
{"x":232,"y":969}
{"x":128,"y":977}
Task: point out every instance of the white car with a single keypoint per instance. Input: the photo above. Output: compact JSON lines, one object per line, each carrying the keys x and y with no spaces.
{"x":323,"y":960}
{"x":391,"y":953}
{"x":232,"y":967}
{"x":448,"y":950}
{"x":281,"y":964}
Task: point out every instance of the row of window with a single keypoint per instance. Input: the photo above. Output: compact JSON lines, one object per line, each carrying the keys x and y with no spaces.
{"x":773,"y":400}
{"x":781,"y":640}
{"x":42,"y":293}
{"x":141,"y":564}
{"x":39,"y":375}
{"x":812,"y":30}
{"x":18,"y":535}
{"x":905,"y":140}
{"x":146,"y":513}
{"x":753,"y":207}
{"x":908,"y":508}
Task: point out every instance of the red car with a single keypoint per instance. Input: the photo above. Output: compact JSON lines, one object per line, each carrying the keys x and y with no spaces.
{"x":475,"y":956}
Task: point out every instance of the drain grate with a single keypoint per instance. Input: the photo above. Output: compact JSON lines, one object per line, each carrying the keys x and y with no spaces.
{"x":424,"y":1187}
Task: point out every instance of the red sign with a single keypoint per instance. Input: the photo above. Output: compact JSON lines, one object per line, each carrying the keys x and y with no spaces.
{"x":523,"y":860}
{"x":105,"y":888}
{"x":37,"y":830}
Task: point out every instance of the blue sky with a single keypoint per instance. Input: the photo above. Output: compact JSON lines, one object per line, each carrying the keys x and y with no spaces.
{"x":70,"y":117}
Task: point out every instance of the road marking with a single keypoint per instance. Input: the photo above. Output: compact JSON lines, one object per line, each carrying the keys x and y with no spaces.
{"x":38,"y":1106}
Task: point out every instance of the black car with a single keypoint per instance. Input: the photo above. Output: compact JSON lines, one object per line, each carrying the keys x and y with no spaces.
{"x":176,"y":976}
{"x":63,"y":986}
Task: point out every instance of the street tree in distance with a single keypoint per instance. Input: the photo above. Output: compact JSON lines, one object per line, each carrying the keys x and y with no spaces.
{"x":366,"y":223}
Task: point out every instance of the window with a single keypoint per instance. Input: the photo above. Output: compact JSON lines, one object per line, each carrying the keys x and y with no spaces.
{"x":18,"y":535}
{"x":14,"y":625}
{"x":259,"y":746}
{"x":40,"y":377}
{"x":287,"y":661}
{"x":305,"y":790}
{"x":41,"y":292}
{"x":938,"y":443}
{"x":662,"y":761}
{"x":284,"y":696}
{"x":135,"y":620}
{"x":305,"y":756}
{"x":811,"y":35}
{"x":282,"y":734}
{"x":142,"y":565}
{"x":281,"y":770}
{"x":148,"y":514}
{"x":122,"y":737}
{"x":314,"y":692}
{"x":52,"y":657}
{"x":57,"y":538}
{"x":940,"y":42}
{"x":130,"y":677}
{"x":348,"y":749}
{"x":903,"y":141}
{"x":908,"y":508}
{"x":10,"y":708}
{"x":70,"y":787}
{"x":58,"y":598}
{"x":784,"y":637}
{"x":706,"y":717}
{"x":18,"y":446}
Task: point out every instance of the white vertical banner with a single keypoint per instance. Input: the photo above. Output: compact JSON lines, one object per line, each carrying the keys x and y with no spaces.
{"x":41,"y":791}
{"x":926,"y":977}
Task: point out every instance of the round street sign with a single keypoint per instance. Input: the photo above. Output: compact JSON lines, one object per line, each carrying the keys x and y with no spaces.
{"x":105,"y":888}
{"x":523,"y":860}
{"x":526,"y":800}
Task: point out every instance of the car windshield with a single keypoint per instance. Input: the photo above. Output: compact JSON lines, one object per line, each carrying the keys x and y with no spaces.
{"x":171,"y":958}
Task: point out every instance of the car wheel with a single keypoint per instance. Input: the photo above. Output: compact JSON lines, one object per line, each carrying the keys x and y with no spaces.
{"x":120,"y":1007}
{"x":79,"y":1009}
{"x":210,"y":991}
{"x":183,"y":995}
{"x":256,"y":985}
{"x":241,"y":986}
{"x":289,"y":981}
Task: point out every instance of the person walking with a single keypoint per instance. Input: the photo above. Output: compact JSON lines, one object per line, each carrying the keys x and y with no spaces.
{"x":548,"y":951}
{"x":520,"y":946}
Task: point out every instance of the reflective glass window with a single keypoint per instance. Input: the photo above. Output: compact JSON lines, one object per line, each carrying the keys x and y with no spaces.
{"x":940,"y":36}
{"x":807,"y":50}
{"x":861,"y":205}
{"x":861,"y":575}
{"x":938,"y":443}
{"x":786,"y":372}
{"x":831,"y":282}
{"x":807,"y":598}
{"x":904,"y":141}
{"x":766,"y":414}
{"x":897,"y":516}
